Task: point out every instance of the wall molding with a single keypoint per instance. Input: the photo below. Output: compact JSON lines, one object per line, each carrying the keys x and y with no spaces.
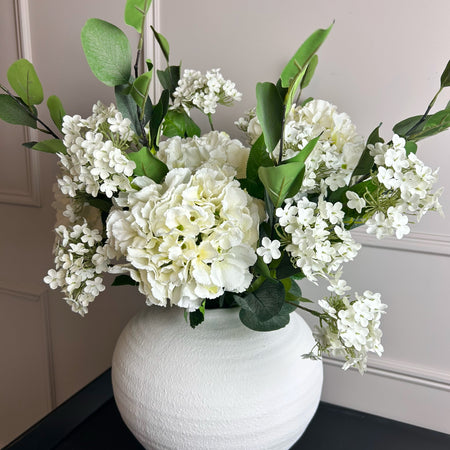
{"x":434,"y":244}
{"x":42,"y":298}
{"x":402,"y":371}
{"x":31,"y":196}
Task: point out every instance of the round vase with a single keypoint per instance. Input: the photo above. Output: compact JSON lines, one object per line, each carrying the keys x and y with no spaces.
{"x":218,"y":386}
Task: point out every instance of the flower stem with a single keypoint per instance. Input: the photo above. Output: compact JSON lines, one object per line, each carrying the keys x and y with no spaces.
{"x":210,"y":121}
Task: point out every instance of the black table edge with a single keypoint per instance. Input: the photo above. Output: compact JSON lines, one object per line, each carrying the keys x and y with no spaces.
{"x":61,"y":422}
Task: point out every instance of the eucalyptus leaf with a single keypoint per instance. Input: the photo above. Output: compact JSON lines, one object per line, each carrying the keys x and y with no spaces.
{"x":270,"y":111}
{"x":148,"y":165}
{"x":198,"y":316}
{"x":24,"y":80}
{"x":50,"y":146}
{"x":127,"y":106}
{"x":250,"y":320}
{"x":163,"y":44}
{"x":303,"y":55}
{"x":135,"y":12}
{"x":107,"y":52}
{"x":56,"y":110}
{"x":11,"y":111}
{"x":265,"y":302}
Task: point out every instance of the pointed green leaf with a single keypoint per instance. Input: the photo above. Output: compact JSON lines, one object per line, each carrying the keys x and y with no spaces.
{"x":269,"y":110}
{"x":50,"y":146}
{"x":281,"y":181}
{"x":157,"y":117}
{"x":366,"y":161}
{"x":135,"y":12}
{"x":169,"y":78}
{"x":56,"y":110}
{"x":303,"y":55}
{"x":141,"y":88}
{"x":11,"y":111}
{"x":310,"y":69}
{"x":405,"y":125}
{"x":258,"y":157}
{"x":107,"y":52}
{"x":445,"y":77}
{"x":410,"y":147}
{"x":148,"y":165}
{"x":289,"y":99}
{"x":178,"y":123}
{"x":24,"y":80}
{"x":162,"y":41}
{"x":30,"y":144}
{"x":192,"y":129}
{"x":304,"y":153}
{"x":432,"y":125}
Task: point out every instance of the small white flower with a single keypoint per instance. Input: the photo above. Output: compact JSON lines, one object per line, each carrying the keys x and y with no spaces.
{"x":355,"y":201}
{"x":269,"y":250}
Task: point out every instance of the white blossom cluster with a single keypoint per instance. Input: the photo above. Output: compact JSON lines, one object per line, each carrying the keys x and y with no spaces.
{"x":190,"y":238}
{"x":204,"y":92}
{"x":351,"y":329}
{"x":405,"y":188}
{"x":95,"y":160}
{"x":214,"y":148}
{"x":80,"y":259}
{"x":317,"y":239}
{"x":336,"y":153}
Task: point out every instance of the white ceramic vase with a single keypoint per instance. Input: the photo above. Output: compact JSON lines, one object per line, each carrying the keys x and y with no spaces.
{"x":219,"y":386}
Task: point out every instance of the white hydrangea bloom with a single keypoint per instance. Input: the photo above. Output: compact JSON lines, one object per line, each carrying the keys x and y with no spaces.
{"x":95,"y":160}
{"x":191,"y":238}
{"x":80,"y":259}
{"x":351,"y":328}
{"x":204,"y":91}
{"x":337,"y":152}
{"x":213,"y":148}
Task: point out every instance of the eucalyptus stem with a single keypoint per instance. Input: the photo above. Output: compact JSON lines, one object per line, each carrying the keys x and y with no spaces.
{"x":304,"y":308}
{"x":30,"y":113}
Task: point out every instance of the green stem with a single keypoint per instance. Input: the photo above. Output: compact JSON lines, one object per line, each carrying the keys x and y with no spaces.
{"x":30,"y":113}
{"x":283,"y":121}
{"x":210,"y":121}
{"x":311,"y":311}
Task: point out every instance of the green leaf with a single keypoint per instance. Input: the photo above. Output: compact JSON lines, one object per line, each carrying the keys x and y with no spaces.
{"x":198,"y":316}
{"x":157,"y":117}
{"x":366,"y":161}
{"x":250,"y":320}
{"x":303,"y":55}
{"x":270,"y":111}
{"x":432,"y":125}
{"x":103,"y":204}
{"x":123,"y":280}
{"x":286,"y":269}
{"x":410,"y":147}
{"x":169,"y":78}
{"x":258,"y":157}
{"x":405,"y":125}
{"x":262,"y":268}
{"x":11,"y":111}
{"x":135,"y":12}
{"x":178,"y":123}
{"x":50,"y":146}
{"x":282,"y":180}
{"x":289,"y":99}
{"x":56,"y":110}
{"x":305,"y":152}
{"x":107,"y":52}
{"x":141,"y":88}
{"x":311,"y":68}
{"x":24,"y":80}
{"x":127,"y":106}
{"x":445,"y":77}
{"x":148,"y":165}
{"x":162,"y":41}
{"x":265,"y":302}
{"x":29,"y":144}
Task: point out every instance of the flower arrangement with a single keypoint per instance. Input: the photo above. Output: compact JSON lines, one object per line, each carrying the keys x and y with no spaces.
{"x":203,"y":220}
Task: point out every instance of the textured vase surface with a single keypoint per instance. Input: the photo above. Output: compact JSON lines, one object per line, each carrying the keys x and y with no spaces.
{"x":218,"y":386}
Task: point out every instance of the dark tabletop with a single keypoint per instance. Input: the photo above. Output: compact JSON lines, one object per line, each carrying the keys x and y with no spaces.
{"x":90,"y":420}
